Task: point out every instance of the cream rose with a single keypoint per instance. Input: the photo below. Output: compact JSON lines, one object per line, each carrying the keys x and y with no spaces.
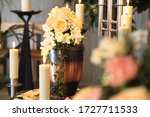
{"x":64,"y":13}
{"x":60,"y":26}
{"x":50,"y":20}
{"x":77,"y":23}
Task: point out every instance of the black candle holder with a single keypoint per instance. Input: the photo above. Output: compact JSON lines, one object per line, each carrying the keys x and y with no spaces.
{"x":25,"y":68}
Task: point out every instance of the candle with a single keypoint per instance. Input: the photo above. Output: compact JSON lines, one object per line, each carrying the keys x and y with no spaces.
{"x":122,"y":30}
{"x":67,"y":6}
{"x":44,"y":80}
{"x":128,"y":10}
{"x":80,"y":11}
{"x":127,"y":21}
{"x":13,"y":62}
{"x":26,"y":5}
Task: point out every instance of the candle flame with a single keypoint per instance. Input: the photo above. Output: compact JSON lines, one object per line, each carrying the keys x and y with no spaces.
{"x":67,"y":6}
{"x":13,"y":44}
{"x":128,"y":2}
{"x":79,"y":1}
{"x":44,"y":59}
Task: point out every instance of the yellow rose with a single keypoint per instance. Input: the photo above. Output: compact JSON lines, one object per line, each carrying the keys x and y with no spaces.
{"x":77,"y":23}
{"x":60,"y":26}
{"x":50,"y":20}
{"x":64,"y":12}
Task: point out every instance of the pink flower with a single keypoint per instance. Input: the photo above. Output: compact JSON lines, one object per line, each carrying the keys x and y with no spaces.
{"x":88,"y":93}
{"x":120,"y":70}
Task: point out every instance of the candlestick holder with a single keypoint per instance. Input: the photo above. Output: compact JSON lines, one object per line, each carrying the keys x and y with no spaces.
{"x":25,"y":69}
{"x":109,"y":22}
{"x":13,"y":87}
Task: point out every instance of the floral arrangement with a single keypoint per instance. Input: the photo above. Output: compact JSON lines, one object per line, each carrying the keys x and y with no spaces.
{"x":125,"y":69}
{"x":62,"y":27}
{"x":125,"y":66}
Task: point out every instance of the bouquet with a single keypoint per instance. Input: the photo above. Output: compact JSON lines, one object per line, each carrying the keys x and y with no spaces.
{"x":125,"y":66}
{"x":62,"y":28}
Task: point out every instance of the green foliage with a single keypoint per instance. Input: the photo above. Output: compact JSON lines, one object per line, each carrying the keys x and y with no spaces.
{"x":141,"y":5}
{"x":144,"y":71}
{"x":57,"y":87}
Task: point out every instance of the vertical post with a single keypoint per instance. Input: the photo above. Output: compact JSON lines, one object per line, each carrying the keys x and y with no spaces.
{"x":12,"y":89}
{"x":109,"y":17}
{"x":149,"y":28}
{"x":119,"y":12}
{"x":101,"y":12}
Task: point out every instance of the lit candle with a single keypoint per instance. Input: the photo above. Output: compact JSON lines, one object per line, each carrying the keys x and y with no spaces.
{"x":67,"y":6}
{"x":26,"y":5}
{"x":44,"y":80}
{"x":13,"y":62}
{"x":127,"y":21}
{"x":80,"y":11}
{"x":128,"y":10}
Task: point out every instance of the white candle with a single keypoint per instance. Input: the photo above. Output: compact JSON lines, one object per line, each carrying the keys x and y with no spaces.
{"x":26,"y":5}
{"x":128,"y":10}
{"x":67,"y":6}
{"x":123,"y":30}
{"x":127,"y":21}
{"x":80,"y":11}
{"x":44,"y":80}
{"x":13,"y":62}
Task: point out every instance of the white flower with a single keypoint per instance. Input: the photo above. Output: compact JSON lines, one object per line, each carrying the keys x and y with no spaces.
{"x":59,"y":37}
{"x":96,"y":57}
{"x":48,"y":34}
{"x":46,"y":28}
{"x":111,"y":47}
{"x":46,"y":46}
{"x":140,"y":39}
{"x":66,"y":38}
{"x":76,"y":36}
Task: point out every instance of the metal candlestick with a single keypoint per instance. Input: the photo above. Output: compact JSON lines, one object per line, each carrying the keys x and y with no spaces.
{"x":109,"y":21}
{"x":13,"y":86}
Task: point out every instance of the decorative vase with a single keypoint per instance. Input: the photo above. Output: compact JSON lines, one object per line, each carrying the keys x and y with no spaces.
{"x":66,"y":70}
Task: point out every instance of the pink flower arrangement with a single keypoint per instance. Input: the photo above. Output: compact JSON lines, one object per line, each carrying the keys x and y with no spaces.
{"x":121,"y":70}
{"x":125,"y":68}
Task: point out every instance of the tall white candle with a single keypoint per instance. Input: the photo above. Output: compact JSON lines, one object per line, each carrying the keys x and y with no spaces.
{"x":13,"y":62}
{"x":80,"y":11}
{"x":44,"y":80}
{"x":123,"y":30}
{"x":127,"y":21}
{"x":26,"y":5}
{"x":128,"y":10}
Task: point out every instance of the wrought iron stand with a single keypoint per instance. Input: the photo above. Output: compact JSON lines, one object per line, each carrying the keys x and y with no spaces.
{"x":25,"y":68}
